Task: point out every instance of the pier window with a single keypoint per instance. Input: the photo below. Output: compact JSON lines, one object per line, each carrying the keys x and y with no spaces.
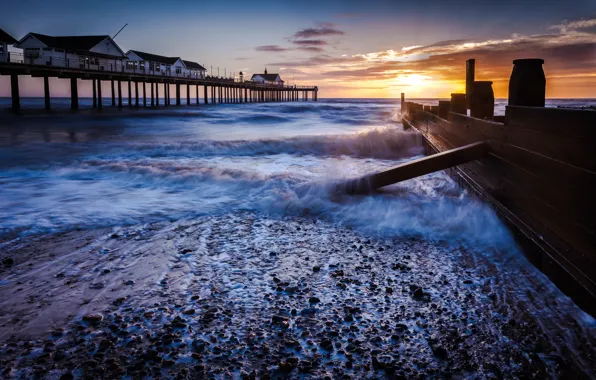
{"x":130,"y":65}
{"x":178,"y":70}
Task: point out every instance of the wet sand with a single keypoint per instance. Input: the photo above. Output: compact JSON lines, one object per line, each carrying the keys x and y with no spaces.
{"x":243,"y":295}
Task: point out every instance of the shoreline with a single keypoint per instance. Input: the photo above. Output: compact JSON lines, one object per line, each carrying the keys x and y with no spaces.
{"x":247,"y":295}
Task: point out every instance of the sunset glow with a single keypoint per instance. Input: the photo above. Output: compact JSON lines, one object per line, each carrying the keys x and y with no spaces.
{"x":350,"y":49}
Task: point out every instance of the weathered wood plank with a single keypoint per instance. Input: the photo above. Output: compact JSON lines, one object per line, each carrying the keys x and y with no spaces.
{"x":416,"y":168}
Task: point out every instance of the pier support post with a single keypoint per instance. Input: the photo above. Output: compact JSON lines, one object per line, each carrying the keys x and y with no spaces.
{"x":152,"y":95}
{"x":205,"y":95}
{"x":46,"y":92}
{"x":129,"y":94}
{"x":119,"y":94}
{"x":113,"y":94}
{"x":197,"y":95}
{"x":94,"y":93}
{"x":14,"y":90}
{"x":144,"y":94}
{"x":99,"y":100}
{"x":166,"y":94}
{"x":136,"y":93}
{"x":157,"y":94}
{"x":187,"y":94}
{"x":177,"y":94}
{"x":74,"y":94}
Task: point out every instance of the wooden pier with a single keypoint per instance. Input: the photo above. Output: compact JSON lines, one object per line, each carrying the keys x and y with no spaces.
{"x":539,"y":174}
{"x":214,"y":91}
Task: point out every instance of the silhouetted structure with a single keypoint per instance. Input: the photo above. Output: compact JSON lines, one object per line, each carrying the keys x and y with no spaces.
{"x":527,"y":86}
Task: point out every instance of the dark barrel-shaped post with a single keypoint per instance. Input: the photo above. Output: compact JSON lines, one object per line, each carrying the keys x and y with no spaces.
{"x":444,"y":108}
{"x":458,"y":104}
{"x":482,"y":100}
{"x":527,"y":85}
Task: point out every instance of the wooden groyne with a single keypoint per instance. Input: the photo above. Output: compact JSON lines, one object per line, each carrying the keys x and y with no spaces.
{"x":213,"y":90}
{"x":539,"y":173}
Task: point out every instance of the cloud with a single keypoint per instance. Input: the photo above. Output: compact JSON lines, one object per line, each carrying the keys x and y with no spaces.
{"x":325,"y":29}
{"x":582,"y":26}
{"x":569,"y":58}
{"x":311,"y":49}
{"x":270,"y":48}
{"x":310,"y":42}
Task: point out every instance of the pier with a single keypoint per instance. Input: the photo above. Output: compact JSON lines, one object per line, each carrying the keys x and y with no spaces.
{"x":146,"y":88}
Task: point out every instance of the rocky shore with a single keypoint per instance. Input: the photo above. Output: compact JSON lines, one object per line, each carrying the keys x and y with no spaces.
{"x":248,"y":296}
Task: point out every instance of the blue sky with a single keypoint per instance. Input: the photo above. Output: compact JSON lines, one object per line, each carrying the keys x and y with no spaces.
{"x":228,"y":34}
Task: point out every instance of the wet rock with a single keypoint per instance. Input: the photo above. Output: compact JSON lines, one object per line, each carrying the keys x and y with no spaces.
{"x":188,"y":312}
{"x":93,"y":318}
{"x":8,"y":261}
{"x":316,"y":268}
{"x":198,"y":345}
{"x":327,"y":344}
{"x":418,"y":294}
{"x":440,"y":352}
{"x":314,"y":300}
{"x":67,"y":376}
{"x":467,"y":282}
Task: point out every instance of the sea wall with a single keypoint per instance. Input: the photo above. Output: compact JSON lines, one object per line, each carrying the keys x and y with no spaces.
{"x":541,"y":176}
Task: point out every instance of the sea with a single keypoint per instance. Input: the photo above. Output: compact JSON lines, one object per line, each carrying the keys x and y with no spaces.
{"x":220,"y":202}
{"x":89,"y":170}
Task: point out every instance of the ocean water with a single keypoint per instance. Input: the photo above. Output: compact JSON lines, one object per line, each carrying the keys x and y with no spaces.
{"x":241,"y":194}
{"x":81,"y":171}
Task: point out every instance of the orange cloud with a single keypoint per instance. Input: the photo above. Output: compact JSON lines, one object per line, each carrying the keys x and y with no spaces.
{"x":436,"y":70}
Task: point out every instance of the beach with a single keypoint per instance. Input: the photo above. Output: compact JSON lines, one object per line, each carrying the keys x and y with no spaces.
{"x":207,"y":242}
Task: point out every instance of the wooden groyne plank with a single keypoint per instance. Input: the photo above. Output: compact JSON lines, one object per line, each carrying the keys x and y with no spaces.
{"x":417,"y":168}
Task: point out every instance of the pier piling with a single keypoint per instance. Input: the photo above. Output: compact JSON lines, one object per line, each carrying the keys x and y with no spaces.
{"x":99,"y":100}
{"x":136,"y":94}
{"x":119,"y":94}
{"x":113,"y":93}
{"x":94,"y":93}
{"x":14,"y":90}
{"x":74,"y":94}
{"x":129,"y":94}
{"x":46,"y":92}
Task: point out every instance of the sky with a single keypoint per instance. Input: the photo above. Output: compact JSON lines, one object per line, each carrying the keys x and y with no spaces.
{"x":373,"y":48}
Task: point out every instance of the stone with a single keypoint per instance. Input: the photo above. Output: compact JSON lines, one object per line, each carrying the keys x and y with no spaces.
{"x":314,"y":300}
{"x":8,"y":261}
{"x":93,"y":318}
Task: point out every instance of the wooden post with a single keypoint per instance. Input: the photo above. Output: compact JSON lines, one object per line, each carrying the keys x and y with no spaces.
{"x":74,"y":94}
{"x":470,"y":75}
{"x":417,"y":168}
{"x":99,"y":100}
{"x":14,"y":90}
{"x":205,"y":95}
{"x":113,"y":94}
{"x":144,"y":94}
{"x":197,"y":95}
{"x":152,"y":95}
{"x":136,"y":93}
{"x":46,"y":92}
{"x":119,"y":94}
{"x":94,"y":93}
{"x":129,"y":94}
{"x":166,"y":94}
{"x":157,"y":94}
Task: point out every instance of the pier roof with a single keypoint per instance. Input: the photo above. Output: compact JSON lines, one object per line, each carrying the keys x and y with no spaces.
{"x":267,"y":77}
{"x":5,"y":37}
{"x":193,"y":65}
{"x":155,"y":58}
{"x":70,"y":42}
